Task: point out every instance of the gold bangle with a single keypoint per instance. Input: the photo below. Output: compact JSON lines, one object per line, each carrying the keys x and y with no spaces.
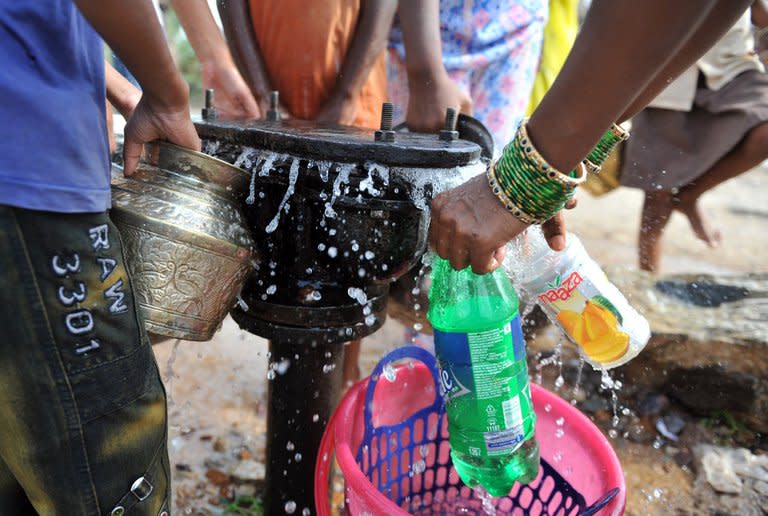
{"x":591,"y":167}
{"x":544,"y":167}
{"x":620,"y":133}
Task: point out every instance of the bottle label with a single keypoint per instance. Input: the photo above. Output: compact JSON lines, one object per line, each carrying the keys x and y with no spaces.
{"x":484,"y":380}
{"x":584,"y":311}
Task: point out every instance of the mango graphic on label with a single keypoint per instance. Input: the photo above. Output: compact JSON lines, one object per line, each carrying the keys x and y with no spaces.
{"x":596,"y":330}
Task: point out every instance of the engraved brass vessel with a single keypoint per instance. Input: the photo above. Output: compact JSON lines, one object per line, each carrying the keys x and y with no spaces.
{"x":184,"y":237}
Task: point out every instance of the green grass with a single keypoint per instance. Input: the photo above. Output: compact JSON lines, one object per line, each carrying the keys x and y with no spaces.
{"x":244,"y":506}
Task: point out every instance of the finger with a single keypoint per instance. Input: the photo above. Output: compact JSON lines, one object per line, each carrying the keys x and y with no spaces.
{"x":444,"y":242}
{"x":571,"y":204}
{"x":554,"y":232}
{"x":131,"y":155}
{"x":485,"y":260}
{"x":434,"y":223}
{"x":187,"y":136}
{"x":499,"y":255}
{"x":466,"y":107}
{"x":250,"y":107}
{"x":460,"y":256}
{"x":460,"y":245}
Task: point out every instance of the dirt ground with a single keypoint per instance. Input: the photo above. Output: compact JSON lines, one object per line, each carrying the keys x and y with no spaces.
{"x":217,"y":389}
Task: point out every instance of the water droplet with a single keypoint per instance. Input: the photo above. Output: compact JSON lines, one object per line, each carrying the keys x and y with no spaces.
{"x":355,"y":246}
{"x":271,"y":374}
{"x":547,"y":408}
{"x":290,"y":507}
{"x":657,"y":492}
{"x":557,"y":457}
{"x":613,"y":434}
{"x":418,"y":326}
{"x":389,"y":372}
{"x":305,"y":511}
{"x":283,"y":366}
{"x":332,"y":252}
{"x":297,"y":457}
{"x":560,"y":421}
{"x":419,"y":466}
{"x":559,"y":433}
{"x":321,"y":247}
{"x":559,"y":381}
{"x":369,"y":255}
{"x":315,"y":418}
{"x":271,"y":289}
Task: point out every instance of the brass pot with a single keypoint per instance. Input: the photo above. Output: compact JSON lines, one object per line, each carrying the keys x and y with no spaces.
{"x":184,"y":238}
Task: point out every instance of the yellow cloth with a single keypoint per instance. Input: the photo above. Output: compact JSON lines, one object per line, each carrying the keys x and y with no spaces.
{"x":559,"y":33}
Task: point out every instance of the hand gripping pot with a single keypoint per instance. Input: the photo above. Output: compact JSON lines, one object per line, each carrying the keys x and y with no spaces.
{"x":389,"y":435}
{"x":184,"y":238}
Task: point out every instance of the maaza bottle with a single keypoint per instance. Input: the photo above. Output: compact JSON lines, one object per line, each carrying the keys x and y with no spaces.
{"x":577,"y":296}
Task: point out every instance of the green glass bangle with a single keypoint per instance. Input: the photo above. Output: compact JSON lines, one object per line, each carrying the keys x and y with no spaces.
{"x":604,"y":147}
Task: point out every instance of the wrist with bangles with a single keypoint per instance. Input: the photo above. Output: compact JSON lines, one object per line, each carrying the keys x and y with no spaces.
{"x":530,"y":188}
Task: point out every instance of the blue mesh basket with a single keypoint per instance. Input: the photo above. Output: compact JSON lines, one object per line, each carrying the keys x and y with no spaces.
{"x":405,"y":454}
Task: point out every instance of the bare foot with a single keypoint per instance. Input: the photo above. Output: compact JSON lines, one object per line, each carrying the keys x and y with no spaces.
{"x":688,"y":204}
{"x":657,"y":209}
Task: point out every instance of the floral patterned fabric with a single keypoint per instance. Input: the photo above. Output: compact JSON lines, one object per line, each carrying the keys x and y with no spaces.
{"x":491,"y":49}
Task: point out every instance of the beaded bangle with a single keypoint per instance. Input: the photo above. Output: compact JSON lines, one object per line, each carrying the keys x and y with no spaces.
{"x":607,"y":142}
{"x":506,"y":201}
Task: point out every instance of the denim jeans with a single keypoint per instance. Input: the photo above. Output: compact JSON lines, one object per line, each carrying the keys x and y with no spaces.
{"x":83,"y":417}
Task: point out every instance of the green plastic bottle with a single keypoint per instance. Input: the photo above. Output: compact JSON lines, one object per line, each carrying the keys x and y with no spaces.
{"x":484,"y":377}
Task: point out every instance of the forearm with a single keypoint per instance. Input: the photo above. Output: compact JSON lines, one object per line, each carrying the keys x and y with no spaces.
{"x":133,"y":32}
{"x":201,"y":30}
{"x":120,"y":92}
{"x":420,"y":23}
{"x":760,"y":14}
{"x":717,"y":23}
{"x":235,"y":17}
{"x":620,"y":48}
{"x":368,"y":41}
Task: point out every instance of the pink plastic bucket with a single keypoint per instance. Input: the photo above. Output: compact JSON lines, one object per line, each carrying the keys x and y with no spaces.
{"x":391,"y":443}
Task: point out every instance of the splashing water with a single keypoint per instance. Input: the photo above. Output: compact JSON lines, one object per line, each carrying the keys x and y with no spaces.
{"x":169,"y":372}
{"x":438,"y":179}
{"x":487,"y":500}
{"x":345,"y":169}
{"x":324,"y":167}
{"x":211,"y":147}
{"x":245,"y":159}
{"x":368,"y":184}
{"x":358,"y":295}
{"x":607,"y":383}
{"x":293,"y":174}
{"x":577,"y":383}
{"x":242,"y":304}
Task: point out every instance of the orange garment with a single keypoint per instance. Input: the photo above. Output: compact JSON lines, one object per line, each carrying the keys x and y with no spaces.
{"x":303,"y":45}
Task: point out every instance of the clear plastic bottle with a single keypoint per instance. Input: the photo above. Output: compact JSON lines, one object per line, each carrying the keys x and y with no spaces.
{"x":479,"y":345}
{"x":577,"y":296}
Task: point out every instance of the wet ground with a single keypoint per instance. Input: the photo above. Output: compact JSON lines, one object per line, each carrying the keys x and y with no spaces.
{"x":217,"y":389}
